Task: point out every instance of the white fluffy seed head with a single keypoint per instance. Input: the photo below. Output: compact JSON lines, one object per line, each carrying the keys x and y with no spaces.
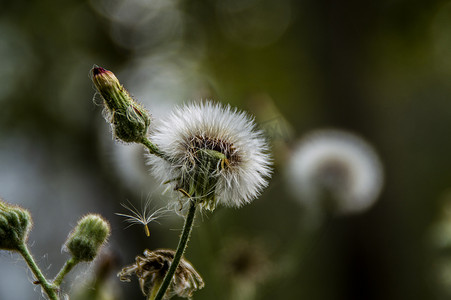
{"x":195,"y":129}
{"x":337,"y":164}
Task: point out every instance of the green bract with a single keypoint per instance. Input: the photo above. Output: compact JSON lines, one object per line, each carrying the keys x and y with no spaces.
{"x":129,"y":119}
{"x":86,"y":239}
{"x":15,"y":224}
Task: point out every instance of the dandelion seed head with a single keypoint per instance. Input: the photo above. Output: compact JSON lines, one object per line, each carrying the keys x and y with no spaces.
{"x":340,"y":164}
{"x":195,"y":133}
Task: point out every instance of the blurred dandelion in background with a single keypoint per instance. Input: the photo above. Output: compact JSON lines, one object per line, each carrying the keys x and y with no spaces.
{"x":245,"y":264}
{"x":335,"y":171}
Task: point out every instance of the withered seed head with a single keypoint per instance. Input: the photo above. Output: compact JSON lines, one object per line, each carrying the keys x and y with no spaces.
{"x":151,"y":269}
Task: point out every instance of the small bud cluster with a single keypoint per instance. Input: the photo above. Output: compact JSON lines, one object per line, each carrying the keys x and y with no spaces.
{"x":83,"y":242}
{"x":15,"y":224}
{"x":86,"y":239}
{"x":130,"y":120}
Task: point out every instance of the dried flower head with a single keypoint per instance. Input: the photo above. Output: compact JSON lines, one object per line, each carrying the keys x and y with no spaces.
{"x":215,"y":154}
{"x":15,"y":224}
{"x":151,"y":269}
{"x":144,"y":217}
{"x":336,"y":165}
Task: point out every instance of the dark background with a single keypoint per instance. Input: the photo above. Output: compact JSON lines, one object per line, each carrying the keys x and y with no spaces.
{"x":380,"y":69}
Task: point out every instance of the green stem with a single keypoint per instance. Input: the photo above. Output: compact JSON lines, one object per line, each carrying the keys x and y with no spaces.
{"x":68,"y":266}
{"x":180,"y":250}
{"x":154,"y":290}
{"x":153,"y":149}
{"x":49,"y":289}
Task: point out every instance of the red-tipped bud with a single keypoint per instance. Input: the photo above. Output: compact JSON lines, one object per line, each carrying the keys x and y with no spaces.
{"x":129,"y":119}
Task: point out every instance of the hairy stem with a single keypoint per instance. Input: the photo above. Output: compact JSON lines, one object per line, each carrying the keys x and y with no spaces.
{"x":153,"y":149}
{"x":154,"y":290}
{"x":68,"y":266}
{"x":189,"y":221}
{"x":49,"y":289}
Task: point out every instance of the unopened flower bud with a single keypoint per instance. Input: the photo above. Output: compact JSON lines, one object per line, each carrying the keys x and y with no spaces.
{"x":15,"y":224}
{"x":86,"y":239}
{"x":129,"y":119}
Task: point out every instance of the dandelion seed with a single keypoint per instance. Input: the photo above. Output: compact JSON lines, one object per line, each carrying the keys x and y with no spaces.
{"x":144,"y":217}
{"x":215,"y":155}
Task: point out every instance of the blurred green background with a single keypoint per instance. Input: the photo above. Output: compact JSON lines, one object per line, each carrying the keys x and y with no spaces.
{"x":381,"y":69}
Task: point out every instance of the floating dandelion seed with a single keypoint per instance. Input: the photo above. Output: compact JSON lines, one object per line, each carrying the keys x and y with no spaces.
{"x":144,"y":217}
{"x":214,"y":154}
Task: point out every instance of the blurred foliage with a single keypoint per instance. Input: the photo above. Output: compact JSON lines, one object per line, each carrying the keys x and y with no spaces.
{"x":381,"y":69}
